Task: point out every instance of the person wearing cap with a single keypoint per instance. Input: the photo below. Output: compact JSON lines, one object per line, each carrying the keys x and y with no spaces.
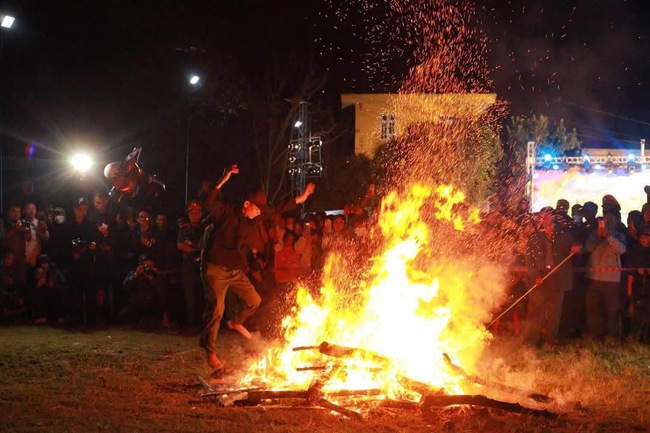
{"x":562,"y":218}
{"x":638,"y":287}
{"x":189,"y":243}
{"x":226,"y":263}
{"x":605,"y":246}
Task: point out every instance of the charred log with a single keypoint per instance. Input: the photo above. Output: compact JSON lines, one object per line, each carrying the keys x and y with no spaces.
{"x":480,"y":400}
{"x":491,"y":384}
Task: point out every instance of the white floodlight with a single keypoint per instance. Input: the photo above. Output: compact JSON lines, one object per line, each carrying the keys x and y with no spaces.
{"x":195,"y":80}
{"x":7,"y":21}
{"x":298,"y":124}
{"x":81,"y":162}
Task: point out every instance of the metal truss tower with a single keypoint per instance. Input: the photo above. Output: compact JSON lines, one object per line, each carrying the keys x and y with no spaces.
{"x":305,"y":156}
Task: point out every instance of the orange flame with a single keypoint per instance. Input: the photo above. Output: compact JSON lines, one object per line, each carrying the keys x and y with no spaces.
{"x":406,"y":309}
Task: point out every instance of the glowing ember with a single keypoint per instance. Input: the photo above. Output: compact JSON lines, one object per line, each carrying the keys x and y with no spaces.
{"x":415,"y":288}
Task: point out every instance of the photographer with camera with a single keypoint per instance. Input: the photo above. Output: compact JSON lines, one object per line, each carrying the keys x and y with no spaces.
{"x":15,"y":233}
{"x":145,"y":295}
{"x":81,"y":238}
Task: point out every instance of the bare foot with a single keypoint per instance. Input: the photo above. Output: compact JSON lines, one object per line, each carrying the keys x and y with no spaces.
{"x":240,"y":328}
{"x":213,"y":361}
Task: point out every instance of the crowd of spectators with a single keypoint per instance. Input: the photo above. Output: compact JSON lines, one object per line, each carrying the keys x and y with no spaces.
{"x":588,"y":273}
{"x":103,"y":262}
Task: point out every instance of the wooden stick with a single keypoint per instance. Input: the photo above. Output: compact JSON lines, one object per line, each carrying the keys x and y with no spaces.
{"x":490,"y":384}
{"x":480,"y":400}
{"x":280,"y":394}
{"x":340,"y":409}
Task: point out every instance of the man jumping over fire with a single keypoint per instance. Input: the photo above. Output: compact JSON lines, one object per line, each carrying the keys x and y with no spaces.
{"x":226,"y":263}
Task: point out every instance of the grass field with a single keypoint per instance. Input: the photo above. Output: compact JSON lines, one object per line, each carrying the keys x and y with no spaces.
{"x":120,"y":380}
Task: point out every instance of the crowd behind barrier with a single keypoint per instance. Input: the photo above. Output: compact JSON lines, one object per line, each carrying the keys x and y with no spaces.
{"x":107,"y":263}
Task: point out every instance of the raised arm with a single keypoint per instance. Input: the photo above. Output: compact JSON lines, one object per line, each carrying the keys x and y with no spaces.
{"x":212,"y":203}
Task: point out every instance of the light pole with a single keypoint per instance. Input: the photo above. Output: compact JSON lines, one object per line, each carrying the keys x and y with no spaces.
{"x":6,"y":23}
{"x":195,"y":82}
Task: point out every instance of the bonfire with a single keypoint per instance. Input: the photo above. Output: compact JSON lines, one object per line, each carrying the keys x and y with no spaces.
{"x":407,"y":331}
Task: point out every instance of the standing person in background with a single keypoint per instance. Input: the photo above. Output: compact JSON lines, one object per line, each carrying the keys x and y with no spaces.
{"x":546,"y":249}
{"x":227,"y":264}
{"x":189,"y":243}
{"x":15,"y":235}
{"x":102,"y":215}
{"x":39,"y":235}
{"x":638,"y":288}
{"x":603,"y":301}
{"x":81,"y":240}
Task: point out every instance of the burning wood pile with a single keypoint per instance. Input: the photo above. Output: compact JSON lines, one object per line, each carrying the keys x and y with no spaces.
{"x":415,"y":395}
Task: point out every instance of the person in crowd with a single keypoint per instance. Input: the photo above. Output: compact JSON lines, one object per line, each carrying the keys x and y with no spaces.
{"x":638,"y":287}
{"x":303,"y":244}
{"x":81,"y":239}
{"x":170,"y":258}
{"x":634,"y":222}
{"x":339,"y":232}
{"x":603,"y":299}
{"x":547,"y":249}
{"x":55,"y":248}
{"x":576,"y":214}
{"x":102,"y":214}
{"x":145,"y":305}
{"x":166,"y":236}
{"x":562,"y":218}
{"x":47,"y":292}
{"x":15,"y":235}
{"x":189,"y":243}
{"x":39,"y":235}
{"x":227,"y":264}
{"x":287,"y":267}
{"x":12,"y":302}
{"x":126,"y":245}
{"x":645,"y":216}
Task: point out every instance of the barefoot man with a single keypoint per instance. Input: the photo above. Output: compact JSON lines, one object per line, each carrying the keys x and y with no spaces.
{"x":226,"y":265}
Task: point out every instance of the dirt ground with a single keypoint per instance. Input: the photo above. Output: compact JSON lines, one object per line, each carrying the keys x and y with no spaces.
{"x":121,"y":380}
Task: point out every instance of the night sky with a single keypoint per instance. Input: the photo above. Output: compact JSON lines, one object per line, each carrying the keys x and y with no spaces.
{"x":110,"y":75}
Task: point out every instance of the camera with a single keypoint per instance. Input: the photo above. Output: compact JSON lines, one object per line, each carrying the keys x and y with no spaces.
{"x":79,"y":245}
{"x":149,"y":271}
{"x":22,"y":223}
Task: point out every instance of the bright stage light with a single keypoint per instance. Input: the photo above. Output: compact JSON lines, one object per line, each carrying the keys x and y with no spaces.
{"x":7,"y":21}
{"x":630,"y":157}
{"x":586,"y":157}
{"x":81,"y":162}
{"x":547,"y":157}
{"x":298,"y":124}
{"x":195,"y":80}
{"x":556,"y":167}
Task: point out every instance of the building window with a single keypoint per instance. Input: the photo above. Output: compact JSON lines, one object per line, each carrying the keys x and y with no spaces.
{"x":387,"y":127}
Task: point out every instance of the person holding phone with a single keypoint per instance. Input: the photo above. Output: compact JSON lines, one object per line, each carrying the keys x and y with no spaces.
{"x":605,"y":246}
